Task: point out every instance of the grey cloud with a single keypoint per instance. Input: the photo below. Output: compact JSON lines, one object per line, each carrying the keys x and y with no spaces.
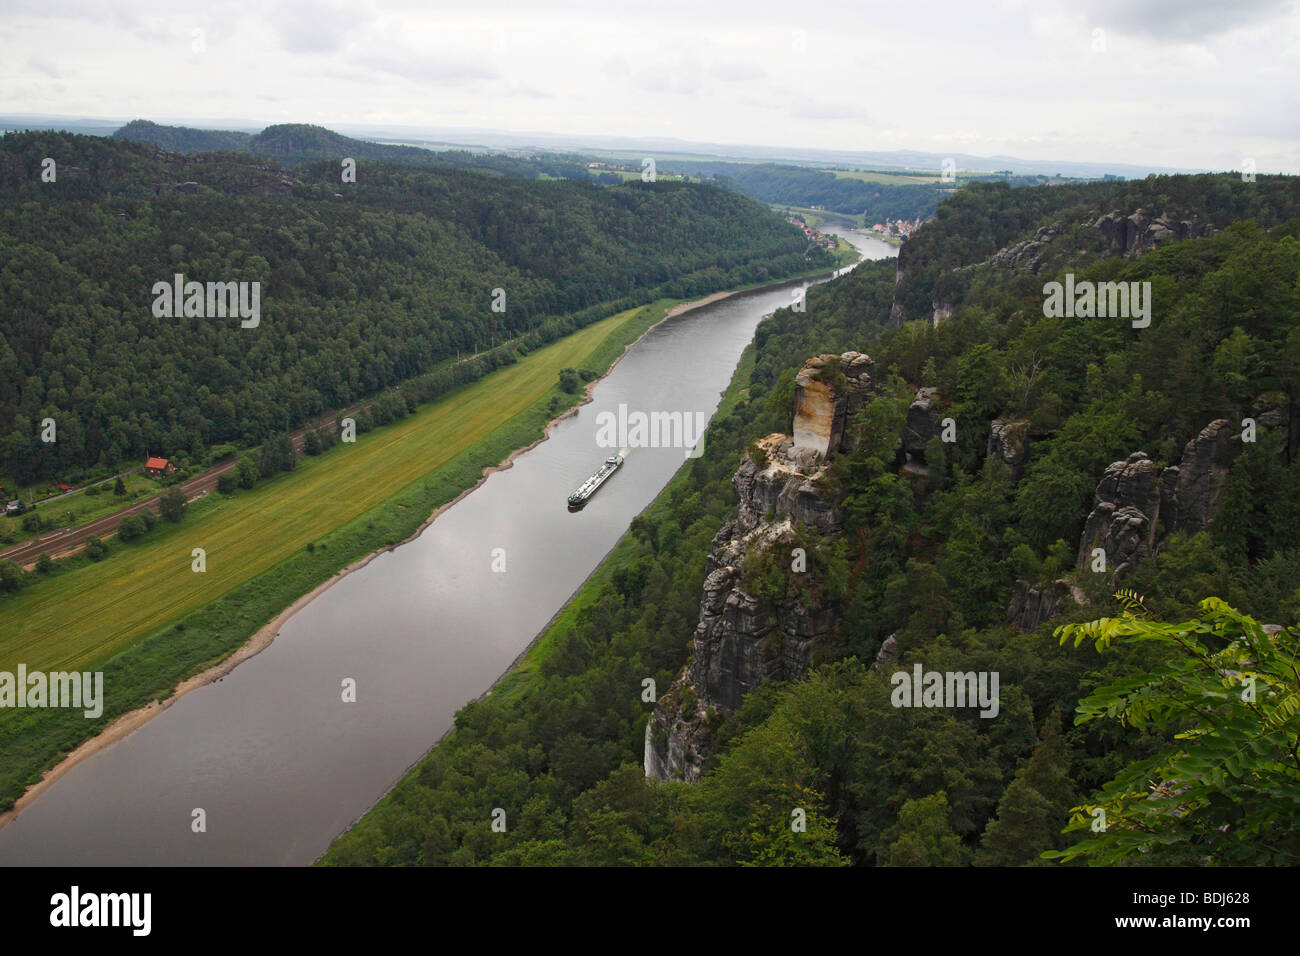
{"x":432,"y":68}
{"x":42,"y":65}
{"x":314,"y":27}
{"x":1179,"y":20}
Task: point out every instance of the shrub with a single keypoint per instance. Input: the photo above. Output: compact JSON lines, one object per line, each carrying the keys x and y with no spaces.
{"x":96,"y":550}
{"x":172,"y":504}
{"x":11,"y":576}
{"x":44,"y":563}
{"x":130,"y":528}
{"x":569,"y":380}
{"x":227,"y":482}
{"x":246,"y":473}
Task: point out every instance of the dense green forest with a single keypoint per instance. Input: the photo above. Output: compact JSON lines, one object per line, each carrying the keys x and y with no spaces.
{"x":362,"y":284}
{"x":1044,"y":230}
{"x":294,"y":144}
{"x":1089,"y":718}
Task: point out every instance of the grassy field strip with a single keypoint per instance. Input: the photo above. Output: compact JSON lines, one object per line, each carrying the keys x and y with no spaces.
{"x":897,"y":179}
{"x":91,"y":612}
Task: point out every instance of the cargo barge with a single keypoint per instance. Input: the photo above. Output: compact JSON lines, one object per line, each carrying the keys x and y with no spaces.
{"x":588,"y":488}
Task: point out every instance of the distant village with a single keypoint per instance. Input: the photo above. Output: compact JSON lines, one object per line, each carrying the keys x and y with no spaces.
{"x":897,"y":228}
{"x":814,"y":235}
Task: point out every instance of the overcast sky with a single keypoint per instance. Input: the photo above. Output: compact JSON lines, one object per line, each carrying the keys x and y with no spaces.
{"x":1182,"y":83}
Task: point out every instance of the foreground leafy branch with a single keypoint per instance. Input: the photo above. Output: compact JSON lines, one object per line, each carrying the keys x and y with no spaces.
{"x":1226,"y":787}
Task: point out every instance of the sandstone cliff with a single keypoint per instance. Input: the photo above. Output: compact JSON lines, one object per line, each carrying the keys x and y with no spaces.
{"x":743,"y":639}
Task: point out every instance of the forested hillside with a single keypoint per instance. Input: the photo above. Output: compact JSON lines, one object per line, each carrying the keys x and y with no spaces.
{"x":362,"y":285}
{"x":1039,"y":231}
{"x":183,"y":139}
{"x":294,"y":144}
{"x":934,"y":541}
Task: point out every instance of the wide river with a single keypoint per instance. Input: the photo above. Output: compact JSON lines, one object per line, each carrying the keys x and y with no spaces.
{"x":271,"y":754}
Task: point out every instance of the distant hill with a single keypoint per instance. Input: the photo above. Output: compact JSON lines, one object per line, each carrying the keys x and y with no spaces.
{"x":293,"y":143}
{"x":183,"y":139}
{"x":362,"y":286}
{"x":296,"y":144}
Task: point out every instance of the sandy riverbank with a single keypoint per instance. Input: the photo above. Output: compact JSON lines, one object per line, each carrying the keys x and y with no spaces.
{"x":262,"y":639}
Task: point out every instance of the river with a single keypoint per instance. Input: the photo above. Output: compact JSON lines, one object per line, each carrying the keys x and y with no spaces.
{"x":276,"y":760}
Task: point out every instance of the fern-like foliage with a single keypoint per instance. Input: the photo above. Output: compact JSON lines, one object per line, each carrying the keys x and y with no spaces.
{"x":1226,"y":788}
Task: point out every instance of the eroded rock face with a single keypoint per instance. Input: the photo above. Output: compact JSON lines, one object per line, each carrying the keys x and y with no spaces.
{"x":743,"y":639}
{"x":1027,"y":256}
{"x":824,"y":400}
{"x":1126,"y":509}
{"x":740,"y":641}
{"x":1140,"y":232}
{"x":783,"y":488}
{"x":922,"y":423}
{"x":814,"y":411}
{"x":1202,"y":474}
{"x":1032,"y":605}
{"x":941,"y":309}
{"x":1008,"y":444}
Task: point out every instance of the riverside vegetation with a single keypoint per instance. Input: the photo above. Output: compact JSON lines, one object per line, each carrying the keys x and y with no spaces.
{"x":397,"y":280}
{"x":363,"y":285}
{"x":1154,"y":731}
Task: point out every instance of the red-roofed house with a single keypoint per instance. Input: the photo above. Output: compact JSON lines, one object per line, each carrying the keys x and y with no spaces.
{"x":157,"y":467}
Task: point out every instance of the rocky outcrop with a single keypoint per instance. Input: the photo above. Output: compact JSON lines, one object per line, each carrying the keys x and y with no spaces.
{"x":1125,"y":513}
{"x":1141,"y":232}
{"x":923,"y":421}
{"x":896,"y":314}
{"x":741,"y":638}
{"x":1200,"y":476}
{"x":783,"y":487}
{"x":941,"y":309}
{"x":1033,"y":604}
{"x":888,"y":654}
{"x":1027,"y":257}
{"x":828,"y":391}
{"x":1008,"y":445}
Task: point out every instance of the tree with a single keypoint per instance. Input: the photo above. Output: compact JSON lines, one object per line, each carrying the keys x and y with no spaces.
{"x":569,"y":380}
{"x":227,"y":482}
{"x":924,"y":837}
{"x":172,"y":504}
{"x":11,"y":576}
{"x":44,"y":563}
{"x":277,"y":454}
{"x":246,"y":473}
{"x":96,"y":550}
{"x":1224,"y":789}
{"x":311,"y":444}
{"x":119,"y":487}
{"x":1030,"y":811}
{"x":130,"y":528}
